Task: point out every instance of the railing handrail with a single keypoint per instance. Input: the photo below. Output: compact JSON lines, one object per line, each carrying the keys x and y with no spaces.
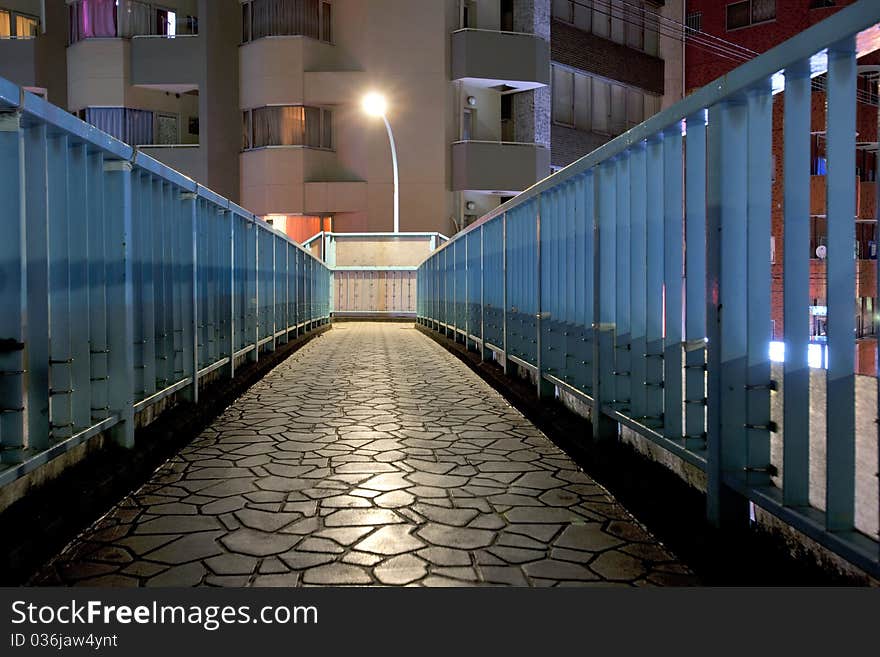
{"x":848,"y":21}
{"x":16,"y":99}
{"x":533,"y":144}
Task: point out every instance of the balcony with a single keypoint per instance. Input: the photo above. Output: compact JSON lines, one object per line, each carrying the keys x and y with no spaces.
{"x":520,"y":61}
{"x":162,"y":60}
{"x":497,"y":165}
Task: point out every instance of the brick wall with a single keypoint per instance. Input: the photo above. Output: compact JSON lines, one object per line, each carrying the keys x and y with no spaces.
{"x":587,"y":52}
{"x":570,"y":144}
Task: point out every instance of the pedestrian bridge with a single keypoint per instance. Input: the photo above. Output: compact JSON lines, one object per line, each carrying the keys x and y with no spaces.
{"x":634,"y":286}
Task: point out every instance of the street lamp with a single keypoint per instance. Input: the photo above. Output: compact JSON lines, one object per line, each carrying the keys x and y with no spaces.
{"x":374,"y":104}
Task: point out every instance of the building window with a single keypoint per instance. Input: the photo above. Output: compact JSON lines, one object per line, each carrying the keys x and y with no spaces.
{"x":749,"y":12}
{"x":132,"y":126}
{"x":631,"y":22}
{"x":593,"y":104}
{"x":468,"y":14}
{"x":694,"y":21}
{"x":468,"y":123}
{"x":90,"y":19}
{"x":14,"y":25}
{"x":264,"y":18}
{"x":287,"y":125}
{"x":562,"y":91}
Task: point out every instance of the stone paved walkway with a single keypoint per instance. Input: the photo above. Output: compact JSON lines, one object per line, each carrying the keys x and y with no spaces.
{"x":370,"y":456}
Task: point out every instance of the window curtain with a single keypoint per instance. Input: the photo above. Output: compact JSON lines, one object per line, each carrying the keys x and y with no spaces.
{"x":5,"y":24}
{"x":129,"y":125}
{"x":134,"y":18}
{"x":313,"y":127}
{"x":288,"y":126}
{"x":286,"y":17}
{"x":92,"y":18}
{"x":26,"y":27}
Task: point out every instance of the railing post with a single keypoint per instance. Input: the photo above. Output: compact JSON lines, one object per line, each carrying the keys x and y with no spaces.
{"x":841,"y":283}
{"x":673,"y":274}
{"x":485,"y":352}
{"x":81,"y":412}
{"x":60,"y":379}
{"x":726,"y":309}
{"x":695,"y":435}
{"x":796,"y":272}
{"x":231,"y":342}
{"x":97,"y":276}
{"x":13,"y":273}
{"x":757,"y":396}
{"x":254,"y":293}
{"x":545,"y":389}
{"x":638,"y":275}
{"x":190,"y":249}
{"x":120,"y":297}
{"x":506,"y":364}
{"x":604,"y":256}
{"x":274,"y":326}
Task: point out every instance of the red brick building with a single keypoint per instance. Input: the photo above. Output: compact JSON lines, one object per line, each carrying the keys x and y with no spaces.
{"x":758,"y":25}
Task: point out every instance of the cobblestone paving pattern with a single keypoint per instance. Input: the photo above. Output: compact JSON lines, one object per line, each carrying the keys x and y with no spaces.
{"x":370,"y":456}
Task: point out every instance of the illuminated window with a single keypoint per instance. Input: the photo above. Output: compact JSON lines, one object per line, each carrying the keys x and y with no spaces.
{"x":287,"y":125}
{"x":14,"y":25}
{"x":263,"y":18}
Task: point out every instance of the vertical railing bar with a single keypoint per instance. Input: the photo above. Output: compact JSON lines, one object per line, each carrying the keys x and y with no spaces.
{"x":120,"y":297}
{"x":695,"y":282}
{"x":654,"y":238}
{"x":60,"y":380}
{"x":841,"y":280}
{"x":80,"y":355}
{"x":759,"y":175}
{"x":14,"y":264}
{"x":796,"y":285}
{"x":638,"y":273}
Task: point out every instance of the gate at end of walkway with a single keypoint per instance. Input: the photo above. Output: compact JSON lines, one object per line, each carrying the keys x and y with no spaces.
{"x":123,"y":282}
{"x":638,"y":281}
{"x":373,"y":274}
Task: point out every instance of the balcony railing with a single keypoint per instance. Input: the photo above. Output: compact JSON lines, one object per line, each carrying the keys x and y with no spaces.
{"x":146,"y":281}
{"x":638,"y":280}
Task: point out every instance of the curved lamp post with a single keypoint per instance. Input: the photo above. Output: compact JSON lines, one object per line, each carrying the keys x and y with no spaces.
{"x":374,"y":104}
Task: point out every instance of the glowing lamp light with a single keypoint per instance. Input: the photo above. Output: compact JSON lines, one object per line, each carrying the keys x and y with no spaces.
{"x":374,"y":104}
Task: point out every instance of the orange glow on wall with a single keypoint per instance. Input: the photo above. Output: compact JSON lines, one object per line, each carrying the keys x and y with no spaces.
{"x":300,"y":227}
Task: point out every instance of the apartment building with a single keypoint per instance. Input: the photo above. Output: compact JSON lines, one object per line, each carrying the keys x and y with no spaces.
{"x":758,"y":25}
{"x":260,"y":99}
{"x":615,"y":63}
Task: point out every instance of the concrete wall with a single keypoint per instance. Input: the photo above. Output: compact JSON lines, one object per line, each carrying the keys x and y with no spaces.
{"x":219,"y":115}
{"x":500,"y":55}
{"x":190,"y":160}
{"x":672,"y":54}
{"x":495,"y":166}
{"x":18,"y":61}
{"x":386,"y":251}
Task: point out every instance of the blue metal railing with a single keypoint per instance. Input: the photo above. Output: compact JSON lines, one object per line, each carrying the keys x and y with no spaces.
{"x":638,"y":280}
{"x":123,"y":282}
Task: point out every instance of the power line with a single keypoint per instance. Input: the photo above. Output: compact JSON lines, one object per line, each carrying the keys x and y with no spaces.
{"x":681,"y":32}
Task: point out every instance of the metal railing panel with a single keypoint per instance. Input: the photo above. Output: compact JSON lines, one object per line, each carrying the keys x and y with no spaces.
{"x":654,"y":252}
{"x":145,"y":281}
